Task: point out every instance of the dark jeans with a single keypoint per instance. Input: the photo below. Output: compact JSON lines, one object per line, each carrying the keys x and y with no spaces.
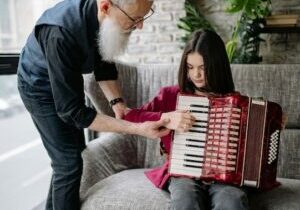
{"x":190,"y":194}
{"x":64,"y":144}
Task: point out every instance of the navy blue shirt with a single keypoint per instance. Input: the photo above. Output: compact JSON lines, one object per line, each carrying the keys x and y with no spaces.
{"x":60,"y":49}
{"x":64,"y":58}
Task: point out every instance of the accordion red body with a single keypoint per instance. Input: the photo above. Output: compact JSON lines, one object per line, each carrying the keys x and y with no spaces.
{"x":235,"y":140}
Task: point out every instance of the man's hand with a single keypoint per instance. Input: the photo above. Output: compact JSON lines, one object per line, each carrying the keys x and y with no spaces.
{"x":153,"y":129}
{"x":181,"y":121}
{"x":120,"y":109}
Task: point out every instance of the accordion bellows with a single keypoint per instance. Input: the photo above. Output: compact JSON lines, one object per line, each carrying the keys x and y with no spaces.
{"x":235,"y":140}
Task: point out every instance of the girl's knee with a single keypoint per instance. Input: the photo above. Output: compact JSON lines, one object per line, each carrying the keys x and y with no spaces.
{"x":230,"y":198}
{"x":184,"y":194}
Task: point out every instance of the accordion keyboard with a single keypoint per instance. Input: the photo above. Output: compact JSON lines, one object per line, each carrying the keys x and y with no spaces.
{"x":212,"y":142}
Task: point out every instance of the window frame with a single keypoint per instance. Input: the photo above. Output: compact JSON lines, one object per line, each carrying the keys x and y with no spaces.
{"x":9,"y":63}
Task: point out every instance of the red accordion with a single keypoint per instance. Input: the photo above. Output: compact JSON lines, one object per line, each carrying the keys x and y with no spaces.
{"x":235,"y":140}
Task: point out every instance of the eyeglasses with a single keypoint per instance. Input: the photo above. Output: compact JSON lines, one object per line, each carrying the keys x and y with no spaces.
{"x":135,"y":22}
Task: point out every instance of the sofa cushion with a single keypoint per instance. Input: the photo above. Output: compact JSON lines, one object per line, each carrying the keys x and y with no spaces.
{"x":284,"y":197}
{"x":127,"y":190}
{"x":131,"y":190}
{"x":289,"y":155}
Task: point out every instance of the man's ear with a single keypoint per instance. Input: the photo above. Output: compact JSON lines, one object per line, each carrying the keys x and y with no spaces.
{"x":104,"y":6}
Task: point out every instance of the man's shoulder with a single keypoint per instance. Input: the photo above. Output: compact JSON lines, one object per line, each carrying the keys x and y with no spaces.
{"x":51,"y":31}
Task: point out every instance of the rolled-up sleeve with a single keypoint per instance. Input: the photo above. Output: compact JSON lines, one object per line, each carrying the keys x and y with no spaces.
{"x":64,"y":59}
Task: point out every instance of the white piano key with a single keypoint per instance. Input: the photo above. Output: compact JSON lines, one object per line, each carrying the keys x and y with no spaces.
{"x":189,"y":141}
{"x":200,"y":136}
{"x":202,"y":144}
{"x":188,"y":146}
{"x":183,"y":163}
{"x":182,"y":152}
{"x":205,"y":124}
{"x":200,"y":116}
{"x":185,"y":171}
{"x":185,"y":148}
{"x":184,"y":156}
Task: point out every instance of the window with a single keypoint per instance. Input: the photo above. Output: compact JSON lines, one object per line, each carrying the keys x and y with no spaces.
{"x":24,"y":165}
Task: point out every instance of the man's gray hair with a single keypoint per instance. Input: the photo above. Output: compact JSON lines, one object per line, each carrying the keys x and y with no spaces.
{"x":124,"y":2}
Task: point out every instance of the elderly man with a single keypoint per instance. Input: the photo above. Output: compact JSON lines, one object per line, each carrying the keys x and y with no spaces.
{"x":72,"y":38}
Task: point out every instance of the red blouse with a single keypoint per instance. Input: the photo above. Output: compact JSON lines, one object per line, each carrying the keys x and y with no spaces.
{"x":165,"y":101}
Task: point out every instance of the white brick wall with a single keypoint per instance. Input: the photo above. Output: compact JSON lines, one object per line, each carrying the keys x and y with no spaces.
{"x":158,"y":41}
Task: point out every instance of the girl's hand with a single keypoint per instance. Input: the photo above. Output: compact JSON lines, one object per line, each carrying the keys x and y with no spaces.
{"x":180,"y":121}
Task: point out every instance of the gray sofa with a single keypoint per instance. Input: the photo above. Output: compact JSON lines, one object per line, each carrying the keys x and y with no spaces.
{"x":114,"y":164}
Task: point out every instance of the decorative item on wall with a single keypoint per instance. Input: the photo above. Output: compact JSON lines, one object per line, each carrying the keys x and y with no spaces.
{"x":193,"y":20}
{"x":287,"y":20}
{"x":244,"y":44}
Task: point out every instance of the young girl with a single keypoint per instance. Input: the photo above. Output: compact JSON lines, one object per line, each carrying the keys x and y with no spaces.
{"x":204,"y":70}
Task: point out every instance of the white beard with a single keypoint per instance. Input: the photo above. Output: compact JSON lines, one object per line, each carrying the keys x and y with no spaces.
{"x":112,"y":41}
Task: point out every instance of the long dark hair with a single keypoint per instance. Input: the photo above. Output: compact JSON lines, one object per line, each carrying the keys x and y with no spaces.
{"x":216,"y":64}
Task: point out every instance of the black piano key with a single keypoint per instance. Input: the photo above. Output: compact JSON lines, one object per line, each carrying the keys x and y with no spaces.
{"x":199,"y":126}
{"x":196,"y":140}
{"x":197,"y":111}
{"x":191,"y":155}
{"x":194,"y":161}
{"x":196,"y":131}
{"x":201,"y":121}
{"x":192,"y":166}
{"x":199,"y":106}
{"x":191,"y":145}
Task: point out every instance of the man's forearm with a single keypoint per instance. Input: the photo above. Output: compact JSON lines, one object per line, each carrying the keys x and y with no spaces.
{"x":110,"y":89}
{"x":104,"y":123}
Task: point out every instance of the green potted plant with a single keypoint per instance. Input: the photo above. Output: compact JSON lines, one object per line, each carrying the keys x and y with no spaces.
{"x":193,"y":21}
{"x":244,"y":44}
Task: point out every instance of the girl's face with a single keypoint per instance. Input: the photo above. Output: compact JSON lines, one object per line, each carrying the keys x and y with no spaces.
{"x":195,"y":69}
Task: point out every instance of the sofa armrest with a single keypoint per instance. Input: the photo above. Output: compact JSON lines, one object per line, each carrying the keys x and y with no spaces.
{"x":105,"y":156}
